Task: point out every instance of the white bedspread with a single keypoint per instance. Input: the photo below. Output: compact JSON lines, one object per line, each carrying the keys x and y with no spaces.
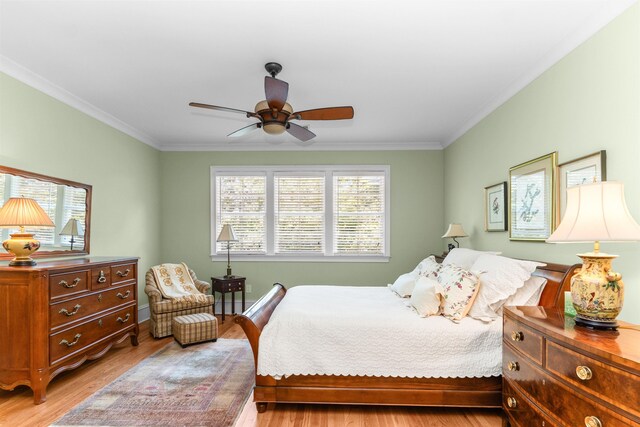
{"x":369,"y":331}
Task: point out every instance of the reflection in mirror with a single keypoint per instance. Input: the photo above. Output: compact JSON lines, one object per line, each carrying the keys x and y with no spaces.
{"x":67,"y":203}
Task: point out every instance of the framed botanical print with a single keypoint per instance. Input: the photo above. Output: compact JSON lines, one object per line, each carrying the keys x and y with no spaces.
{"x":495,"y":207}
{"x":583,"y":170}
{"x":532,"y":187}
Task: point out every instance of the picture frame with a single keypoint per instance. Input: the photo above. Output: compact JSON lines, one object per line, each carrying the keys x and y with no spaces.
{"x":532,"y":198}
{"x":495,"y":207}
{"x":583,"y":170}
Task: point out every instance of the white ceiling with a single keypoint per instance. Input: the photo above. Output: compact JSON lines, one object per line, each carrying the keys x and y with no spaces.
{"x":419,"y":74}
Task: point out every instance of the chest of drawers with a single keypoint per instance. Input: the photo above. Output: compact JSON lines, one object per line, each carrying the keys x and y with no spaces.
{"x":557,"y":374}
{"x":57,"y":314}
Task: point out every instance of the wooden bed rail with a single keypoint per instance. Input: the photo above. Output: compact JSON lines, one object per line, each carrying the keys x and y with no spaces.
{"x":255,"y":317}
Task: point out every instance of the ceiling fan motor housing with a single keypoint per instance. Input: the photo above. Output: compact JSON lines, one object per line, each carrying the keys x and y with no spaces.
{"x":273,"y":121}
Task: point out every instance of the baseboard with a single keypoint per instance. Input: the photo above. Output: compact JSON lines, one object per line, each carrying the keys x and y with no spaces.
{"x":144,"y":313}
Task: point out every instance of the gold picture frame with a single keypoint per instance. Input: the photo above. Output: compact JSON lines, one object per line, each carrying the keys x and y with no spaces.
{"x":532,"y":198}
{"x":583,"y":170}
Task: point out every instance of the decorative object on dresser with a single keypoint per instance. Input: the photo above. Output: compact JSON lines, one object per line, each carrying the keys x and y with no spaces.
{"x":227,"y":235}
{"x":61,"y":199}
{"x":21,"y":212}
{"x":233,"y":285}
{"x":596,"y":213}
{"x":557,"y":374}
{"x":455,"y":230}
{"x":163,"y":310}
{"x":532,"y":188}
{"x":495,"y":207}
{"x":60,"y":313}
{"x":72,"y":228}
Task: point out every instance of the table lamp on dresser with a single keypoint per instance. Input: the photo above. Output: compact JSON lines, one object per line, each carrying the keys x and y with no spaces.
{"x":596,"y":213}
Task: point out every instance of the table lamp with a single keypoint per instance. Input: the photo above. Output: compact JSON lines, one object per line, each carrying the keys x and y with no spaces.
{"x":454,"y":230}
{"x":22,"y":212}
{"x":227,"y":235}
{"x":72,"y":228}
{"x":596,"y":213}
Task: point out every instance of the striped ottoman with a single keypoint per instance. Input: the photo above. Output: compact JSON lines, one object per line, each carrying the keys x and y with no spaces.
{"x":194,"y":328}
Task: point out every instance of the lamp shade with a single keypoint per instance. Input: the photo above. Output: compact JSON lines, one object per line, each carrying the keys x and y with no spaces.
{"x":455,"y":230}
{"x":73,"y":227}
{"x":23,"y":212}
{"x":227,"y":234}
{"x":596,"y":212}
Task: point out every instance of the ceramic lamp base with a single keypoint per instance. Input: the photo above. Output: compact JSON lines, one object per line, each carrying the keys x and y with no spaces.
{"x":610,"y":325}
{"x":22,"y":245}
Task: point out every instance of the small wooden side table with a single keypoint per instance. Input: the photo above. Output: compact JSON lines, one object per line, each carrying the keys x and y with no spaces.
{"x":228,"y":284}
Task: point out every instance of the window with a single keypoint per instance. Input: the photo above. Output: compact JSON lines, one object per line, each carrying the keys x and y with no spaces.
{"x":305,"y":213}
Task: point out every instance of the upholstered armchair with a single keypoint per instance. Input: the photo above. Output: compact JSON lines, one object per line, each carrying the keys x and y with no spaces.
{"x":164,"y":310}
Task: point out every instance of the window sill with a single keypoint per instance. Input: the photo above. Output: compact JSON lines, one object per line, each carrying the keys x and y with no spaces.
{"x":301,"y":258}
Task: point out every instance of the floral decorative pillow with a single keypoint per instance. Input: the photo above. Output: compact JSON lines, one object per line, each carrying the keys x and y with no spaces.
{"x":429,"y":268}
{"x":459,"y":288}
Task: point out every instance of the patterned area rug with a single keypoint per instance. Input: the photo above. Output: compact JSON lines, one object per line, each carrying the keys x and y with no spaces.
{"x":201,"y":385}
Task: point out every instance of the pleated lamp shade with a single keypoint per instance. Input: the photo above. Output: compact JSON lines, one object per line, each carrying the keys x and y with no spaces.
{"x":23,"y":212}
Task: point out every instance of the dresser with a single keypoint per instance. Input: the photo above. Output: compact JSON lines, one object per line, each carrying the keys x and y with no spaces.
{"x":57,"y":314}
{"x":558,"y":374}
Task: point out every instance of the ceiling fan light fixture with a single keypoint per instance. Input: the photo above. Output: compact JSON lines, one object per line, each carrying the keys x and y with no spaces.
{"x":273,"y":128}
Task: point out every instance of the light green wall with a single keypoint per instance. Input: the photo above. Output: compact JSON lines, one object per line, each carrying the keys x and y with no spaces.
{"x":416,"y":216}
{"x":43,"y":135}
{"x":588,"y":101}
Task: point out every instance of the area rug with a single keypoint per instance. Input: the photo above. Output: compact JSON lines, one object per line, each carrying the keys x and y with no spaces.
{"x":200,"y":385}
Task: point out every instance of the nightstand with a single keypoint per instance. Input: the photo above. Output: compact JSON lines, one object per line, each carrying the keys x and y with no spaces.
{"x":558,"y":374}
{"x":232,"y":284}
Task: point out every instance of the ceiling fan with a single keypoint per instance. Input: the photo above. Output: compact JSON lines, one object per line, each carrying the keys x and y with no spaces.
{"x":275,"y":113}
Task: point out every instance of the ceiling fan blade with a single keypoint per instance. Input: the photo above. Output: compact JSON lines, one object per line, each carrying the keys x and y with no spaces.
{"x":276,"y":92}
{"x":215,"y":107}
{"x":302,"y":133}
{"x":329,"y":113}
{"x":245,"y":130}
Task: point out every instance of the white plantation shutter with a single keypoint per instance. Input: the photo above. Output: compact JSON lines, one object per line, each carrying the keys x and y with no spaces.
{"x":299,"y":213}
{"x":74,"y":207}
{"x":241,"y":202}
{"x":359,"y":214}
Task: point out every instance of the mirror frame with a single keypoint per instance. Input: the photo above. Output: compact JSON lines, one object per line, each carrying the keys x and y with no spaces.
{"x":59,"y":181}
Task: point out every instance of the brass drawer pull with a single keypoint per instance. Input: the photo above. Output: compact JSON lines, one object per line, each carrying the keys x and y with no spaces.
{"x":513,"y":366}
{"x":127,"y":317}
{"x":517,"y":336}
{"x":125,"y":296}
{"x":125,"y":274}
{"x":101,"y":277}
{"x":73,"y":284}
{"x":70,"y":313}
{"x":592,"y":421}
{"x":512,"y":402}
{"x":584,"y":373}
{"x":74,"y":342}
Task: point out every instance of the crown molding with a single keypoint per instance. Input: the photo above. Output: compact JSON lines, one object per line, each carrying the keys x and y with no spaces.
{"x":318,"y":146}
{"x":610,"y":11}
{"x":28,"y":77}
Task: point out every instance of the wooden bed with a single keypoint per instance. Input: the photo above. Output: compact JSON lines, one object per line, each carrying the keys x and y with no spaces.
{"x":361,"y":390}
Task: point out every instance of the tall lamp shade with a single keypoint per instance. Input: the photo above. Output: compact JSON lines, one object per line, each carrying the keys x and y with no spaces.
{"x":72,"y":228}
{"x":596,"y":213}
{"x":22,"y":212}
{"x":227,"y":235}
{"x":455,"y":230}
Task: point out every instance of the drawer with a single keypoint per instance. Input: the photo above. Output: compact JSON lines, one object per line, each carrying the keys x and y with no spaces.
{"x":72,"y":310}
{"x":101,"y":278}
{"x":235,"y":286}
{"x":70,"y":342}
{"x":122,"y":273}
{"x":614,"y":385}
{"x":553,"y":398}
{"x":521,"y":411}
{"x":522,"y":338}
{"x":67,"y":284}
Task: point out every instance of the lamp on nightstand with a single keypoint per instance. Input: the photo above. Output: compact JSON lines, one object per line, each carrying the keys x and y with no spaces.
{"x":454,"y":230}
{"x":227,"y":235}
{"x":596,"y":213}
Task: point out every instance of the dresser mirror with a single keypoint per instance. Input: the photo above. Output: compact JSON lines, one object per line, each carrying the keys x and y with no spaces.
{"x":67,"y":203}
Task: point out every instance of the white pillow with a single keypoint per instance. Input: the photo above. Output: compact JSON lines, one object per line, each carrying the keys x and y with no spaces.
{"x":500,"y":278}
{"x":528,"y":294}
{"x":464,"y":258}
{"x":425,"y":298}
{"x":403,"y":286}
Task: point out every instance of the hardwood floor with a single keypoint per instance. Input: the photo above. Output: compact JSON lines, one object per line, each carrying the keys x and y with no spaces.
{"x":70,"y":388}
